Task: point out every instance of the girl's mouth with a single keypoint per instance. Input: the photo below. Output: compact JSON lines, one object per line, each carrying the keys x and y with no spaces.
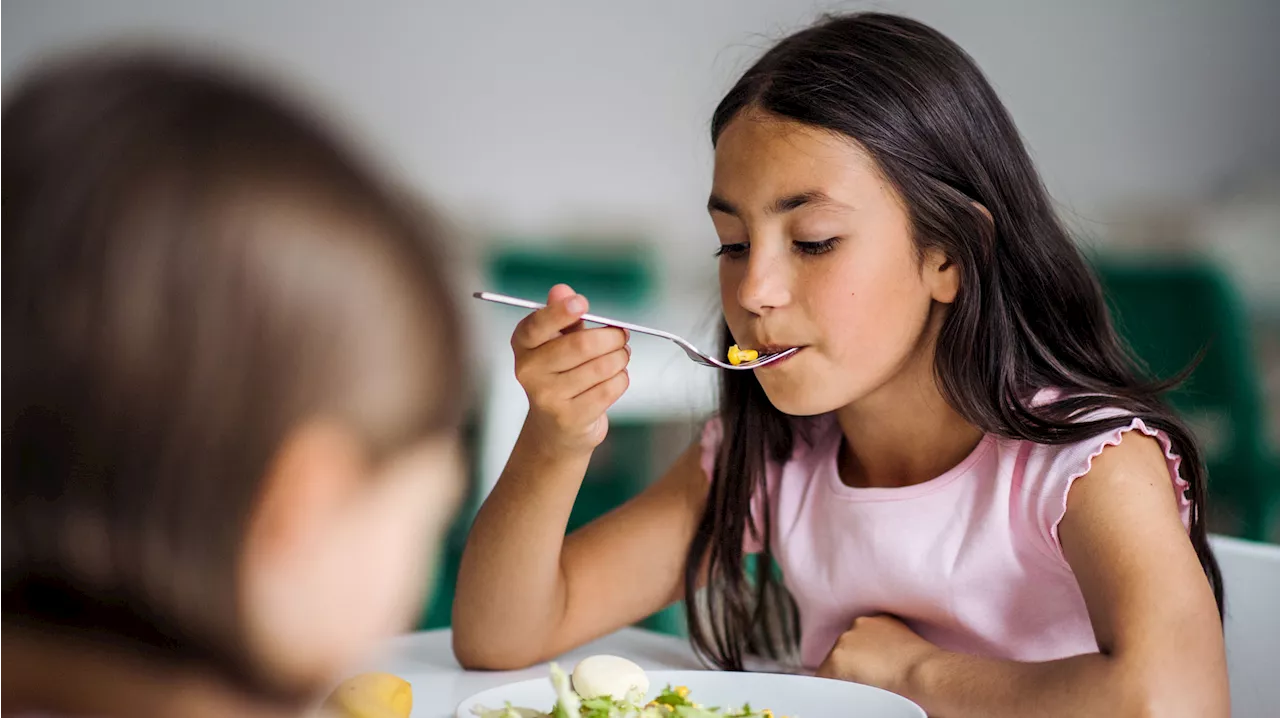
{"x":771,"y":349}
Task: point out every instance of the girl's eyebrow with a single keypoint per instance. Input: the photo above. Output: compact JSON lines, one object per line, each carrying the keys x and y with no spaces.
{"x":781,"y":205}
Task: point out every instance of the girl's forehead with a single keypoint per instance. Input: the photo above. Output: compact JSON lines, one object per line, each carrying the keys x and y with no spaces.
{"x":762,"y":157}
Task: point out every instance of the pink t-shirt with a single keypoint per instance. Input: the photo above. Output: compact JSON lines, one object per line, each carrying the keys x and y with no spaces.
{"x":970,"y":559}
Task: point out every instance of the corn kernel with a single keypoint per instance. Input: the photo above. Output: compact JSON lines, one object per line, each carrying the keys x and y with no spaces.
{"x":738,"y":356}
{"x":682,"y":691}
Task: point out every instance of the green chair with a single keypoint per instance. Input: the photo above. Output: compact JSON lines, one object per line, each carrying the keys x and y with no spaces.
{"x":617,"y":274}
{"x":1167,"y":312}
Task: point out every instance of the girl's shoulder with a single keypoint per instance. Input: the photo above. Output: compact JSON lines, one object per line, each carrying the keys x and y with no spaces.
{"x":1042,"y":474}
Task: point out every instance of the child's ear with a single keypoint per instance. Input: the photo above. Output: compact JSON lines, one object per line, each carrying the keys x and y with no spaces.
{"x":942,"y":275}
{"x":310,"y":478}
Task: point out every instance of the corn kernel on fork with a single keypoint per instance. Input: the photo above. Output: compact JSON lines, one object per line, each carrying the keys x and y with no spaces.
{"x":698,"y":356}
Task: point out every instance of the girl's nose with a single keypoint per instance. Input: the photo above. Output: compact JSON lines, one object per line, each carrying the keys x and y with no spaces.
{"x":766,"y":284}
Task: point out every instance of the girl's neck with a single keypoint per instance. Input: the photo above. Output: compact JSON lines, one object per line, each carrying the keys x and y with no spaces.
{"x":54,"y":676}
{"x":904,"y":433}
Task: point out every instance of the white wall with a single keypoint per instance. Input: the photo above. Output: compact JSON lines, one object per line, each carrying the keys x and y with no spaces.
{"x":531,"y":116}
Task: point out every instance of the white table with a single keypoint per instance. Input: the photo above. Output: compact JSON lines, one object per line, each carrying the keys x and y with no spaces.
{"x":1252,"y":573}
{"x":440,"y":684}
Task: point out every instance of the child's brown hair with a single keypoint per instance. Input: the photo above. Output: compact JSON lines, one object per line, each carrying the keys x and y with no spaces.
{"x":191,"y":269}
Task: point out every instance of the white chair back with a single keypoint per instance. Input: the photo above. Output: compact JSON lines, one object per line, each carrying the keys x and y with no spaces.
{"x":1251,"y":575}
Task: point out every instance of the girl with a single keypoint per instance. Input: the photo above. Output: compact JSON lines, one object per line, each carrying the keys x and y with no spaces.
{"x":228,"y":430}
{"x":974,"y":498}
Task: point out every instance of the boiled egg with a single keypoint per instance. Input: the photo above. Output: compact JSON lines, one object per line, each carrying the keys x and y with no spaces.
{"x":611,"y":676}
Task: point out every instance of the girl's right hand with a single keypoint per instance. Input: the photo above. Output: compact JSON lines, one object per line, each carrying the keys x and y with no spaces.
{"x":571,"y":374}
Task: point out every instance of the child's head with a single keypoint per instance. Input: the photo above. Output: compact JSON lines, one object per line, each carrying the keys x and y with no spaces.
{"x":887,"y":199}
{"x":231,"y":379}
{"x":876,"y":206}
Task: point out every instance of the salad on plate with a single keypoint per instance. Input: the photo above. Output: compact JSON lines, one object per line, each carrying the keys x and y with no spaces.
{"x":613,"y":687}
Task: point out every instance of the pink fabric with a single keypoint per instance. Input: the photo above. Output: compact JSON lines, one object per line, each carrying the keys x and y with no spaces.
{"x":970,"y":559}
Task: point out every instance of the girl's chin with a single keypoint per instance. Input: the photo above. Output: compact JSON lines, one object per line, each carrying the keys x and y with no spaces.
{"x":805,"y":399}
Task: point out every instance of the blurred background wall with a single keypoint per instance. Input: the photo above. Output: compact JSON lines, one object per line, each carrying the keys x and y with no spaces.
{"x":531,"y":117}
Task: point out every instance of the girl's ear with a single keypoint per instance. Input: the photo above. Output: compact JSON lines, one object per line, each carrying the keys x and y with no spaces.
{"x":942,"y":275}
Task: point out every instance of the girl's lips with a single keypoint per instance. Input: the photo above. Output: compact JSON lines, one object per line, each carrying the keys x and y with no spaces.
{"x":766,"y":351}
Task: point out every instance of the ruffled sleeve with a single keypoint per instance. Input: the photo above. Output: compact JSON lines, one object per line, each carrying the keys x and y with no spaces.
{"x":1052,"y":470}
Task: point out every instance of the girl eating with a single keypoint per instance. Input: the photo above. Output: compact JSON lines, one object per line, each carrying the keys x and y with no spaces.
{"x":972,"y":494}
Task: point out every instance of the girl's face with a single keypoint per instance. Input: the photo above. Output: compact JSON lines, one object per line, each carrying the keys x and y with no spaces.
{"x":341,"y":553}
{"x":816,"y":251}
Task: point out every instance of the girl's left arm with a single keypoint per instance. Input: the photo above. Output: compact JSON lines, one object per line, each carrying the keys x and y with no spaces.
{"x":1159,"y":636}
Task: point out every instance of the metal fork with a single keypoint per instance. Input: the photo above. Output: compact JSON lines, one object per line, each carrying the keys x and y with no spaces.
{"x":693,"y":352}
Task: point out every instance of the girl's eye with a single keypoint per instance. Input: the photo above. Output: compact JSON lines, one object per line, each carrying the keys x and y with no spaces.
{"x":814,"y":248}
{"x":739,"y":250}
{"x":732,"y":251}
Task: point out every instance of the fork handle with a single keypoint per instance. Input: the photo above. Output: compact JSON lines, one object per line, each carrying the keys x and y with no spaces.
{"x":594,"y":319}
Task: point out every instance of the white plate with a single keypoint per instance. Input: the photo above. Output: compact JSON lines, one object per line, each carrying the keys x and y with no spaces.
{"x":785,"y":695}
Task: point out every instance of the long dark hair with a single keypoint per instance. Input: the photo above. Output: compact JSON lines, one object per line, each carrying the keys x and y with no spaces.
{"x":193,"y":267}
{"x":1029,"y":314}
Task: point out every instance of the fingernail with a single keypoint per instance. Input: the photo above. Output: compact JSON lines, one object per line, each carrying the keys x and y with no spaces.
{"x":577,"y":305}
{"x":628,"y":348}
